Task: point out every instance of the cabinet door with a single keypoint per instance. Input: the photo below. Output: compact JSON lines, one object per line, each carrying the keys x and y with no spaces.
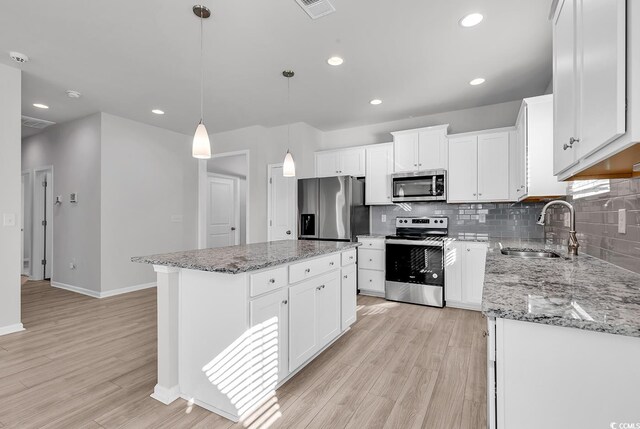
{"x":493,"y":167}
{"x":405,"y":152}
{"x":379,"y":166}
{"x":602,"y":67}
{"x":327,"y":164}
{"x":371,"y":281}
{"x":432,"y":150}
{"x":271,"y":313}
{"x":349,"y":297}
{"x":565,"y":84}
{"x":473,"y":273}
{"x":351,"y":162}
{"x":328,"y":308}
{"x":302,"y":323}
{"x":463,"y":169}
{"x":453,"y":264}
{"x":518,"y":158}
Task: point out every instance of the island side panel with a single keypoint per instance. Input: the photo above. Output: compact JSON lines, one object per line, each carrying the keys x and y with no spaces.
{"x":167,"y":389}
{"x":214,"y":347}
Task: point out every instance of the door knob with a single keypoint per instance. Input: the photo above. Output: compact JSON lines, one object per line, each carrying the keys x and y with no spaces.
{"x":233,"y":228}
{"x":288,"y":232}
{"x":285,"y":302}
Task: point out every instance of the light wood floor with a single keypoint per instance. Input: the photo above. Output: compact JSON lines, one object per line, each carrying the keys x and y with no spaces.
{"x":90,"y":363}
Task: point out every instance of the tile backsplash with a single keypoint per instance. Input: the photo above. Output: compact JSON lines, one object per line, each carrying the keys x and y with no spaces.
{"x":597,"y":224}
{"x":468,"y":221}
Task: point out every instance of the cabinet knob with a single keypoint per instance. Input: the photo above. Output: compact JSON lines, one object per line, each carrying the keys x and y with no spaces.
{"x":474,"y":195}
{"x":331,"y":263}
{"x":285,"y":302}
{"x":468,"y":250}
{"x":479,"y":195}
{"x":350,"y":257}
{"x":370,"y":281}
{"x":370,"y":244}
{"x":572,"y":140}
{"x":272,"y":280}
{"x":370,"y":260}
{"x":415,"y":165}
{"x":346,"y":276}
{"x":308,"y":270}
{"x":420,"y":165}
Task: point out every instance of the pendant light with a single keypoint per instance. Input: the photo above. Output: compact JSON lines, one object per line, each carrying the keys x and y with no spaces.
{"x":201,"y":146}
{"x":288,"y":167}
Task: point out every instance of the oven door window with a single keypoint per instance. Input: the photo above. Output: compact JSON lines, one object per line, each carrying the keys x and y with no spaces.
{"x":408,"y":263}
{"x":426,"y":186}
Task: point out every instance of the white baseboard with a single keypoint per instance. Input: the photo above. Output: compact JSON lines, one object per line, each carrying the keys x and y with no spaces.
{"x":166,"y":395}
{"x":372,"y":293}
{"x":463,"y":305}
{"x":4,"y":330}
{"x":105,"y":294}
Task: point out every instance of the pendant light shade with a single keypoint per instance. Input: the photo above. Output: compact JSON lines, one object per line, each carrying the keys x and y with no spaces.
{"x":289,"y":167}
{"x":201,"y":145}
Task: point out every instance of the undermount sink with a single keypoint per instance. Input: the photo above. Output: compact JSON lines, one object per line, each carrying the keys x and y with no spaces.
{"x":529,"y":253}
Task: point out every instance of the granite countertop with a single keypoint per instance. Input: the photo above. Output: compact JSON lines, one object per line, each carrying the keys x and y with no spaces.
{"x":249,"y":257}
{"x":581,"y":292}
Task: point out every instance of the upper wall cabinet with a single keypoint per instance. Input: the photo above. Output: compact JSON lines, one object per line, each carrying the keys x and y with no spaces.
{"x":531,"y":152}
{"x":379,"y":165}
{"x":420,"y":149}
{"x":479,"y":166}
{"x":342,"y":162}
{"x":595,"y":87}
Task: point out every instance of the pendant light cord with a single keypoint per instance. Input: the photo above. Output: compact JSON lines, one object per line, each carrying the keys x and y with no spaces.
{"x":201,"y":70}
{"x":288,"y":112}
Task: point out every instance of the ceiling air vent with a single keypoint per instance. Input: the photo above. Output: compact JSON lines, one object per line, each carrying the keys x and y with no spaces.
{"x":35,"y":123}
{"x":316,"y":8}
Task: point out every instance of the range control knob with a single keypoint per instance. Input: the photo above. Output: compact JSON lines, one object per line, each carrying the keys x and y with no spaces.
{"x":435,"y":276}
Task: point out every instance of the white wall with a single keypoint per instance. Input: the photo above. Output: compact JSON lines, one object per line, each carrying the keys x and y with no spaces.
{"x":73,"y":149}
{"x":10,"y":198}
{"x":148,"y":176}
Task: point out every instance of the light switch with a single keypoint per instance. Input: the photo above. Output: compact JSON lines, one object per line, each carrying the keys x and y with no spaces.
{"x":383,"y":218}
{"x":9,"y":219}
{"x":622,"y":221}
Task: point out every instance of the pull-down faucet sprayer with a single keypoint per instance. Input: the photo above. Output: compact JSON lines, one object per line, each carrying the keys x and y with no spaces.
{"x":573,"y":239}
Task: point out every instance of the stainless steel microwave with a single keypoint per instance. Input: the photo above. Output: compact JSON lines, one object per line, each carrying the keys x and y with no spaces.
{"x":429,"y":185}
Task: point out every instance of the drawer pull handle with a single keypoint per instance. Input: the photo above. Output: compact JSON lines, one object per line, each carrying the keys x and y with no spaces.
{"x":272,"y":280}
{"x":370,"y":244}
{"x":350,"y":257}
{"x":285,"y":302}
{"x":322,"y":286}
{"x":308,"y":270}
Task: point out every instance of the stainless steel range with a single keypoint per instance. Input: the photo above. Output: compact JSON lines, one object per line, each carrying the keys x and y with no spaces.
{"x":415,"y":261}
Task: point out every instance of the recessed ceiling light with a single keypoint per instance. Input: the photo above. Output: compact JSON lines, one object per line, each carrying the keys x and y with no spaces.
{"x":471,"y":20}
{"x":72,"y":94}
{"x":375,"y":101}
{"x":335,"y":61}
{"x":40,"y":106}
{"x":477,"y":81}
{"x":158,"y":111}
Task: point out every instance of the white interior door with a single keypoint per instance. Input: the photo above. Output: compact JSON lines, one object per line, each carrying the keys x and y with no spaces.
{"x":22,"y":223}
{"x":223,"y":208}
{"x":42,"y":225}
{"x":282,"y":205}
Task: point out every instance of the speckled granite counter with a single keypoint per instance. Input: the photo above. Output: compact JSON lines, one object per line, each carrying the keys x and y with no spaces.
{"x":243,"y":258}
{"x":583,"y":292}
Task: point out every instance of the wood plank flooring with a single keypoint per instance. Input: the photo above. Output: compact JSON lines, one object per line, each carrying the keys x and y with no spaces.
{"x":90,"y":363}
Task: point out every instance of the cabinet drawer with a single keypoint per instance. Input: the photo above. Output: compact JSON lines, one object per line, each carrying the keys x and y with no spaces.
{"x":371,"y":259}
{"x":369,"y":280}
{"x":371,"y":243}
{"x":313,"y":267}
{"x":349,"y":257}
{"x":268,"y":280}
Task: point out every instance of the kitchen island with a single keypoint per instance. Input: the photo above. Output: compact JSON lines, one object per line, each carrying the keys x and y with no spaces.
{"x":564,"y":340}
{"x":236,"y":322}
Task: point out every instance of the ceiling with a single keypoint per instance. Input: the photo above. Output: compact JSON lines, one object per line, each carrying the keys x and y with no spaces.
{"x":127,"y":57}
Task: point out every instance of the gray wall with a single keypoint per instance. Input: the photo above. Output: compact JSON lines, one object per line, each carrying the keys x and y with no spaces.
{"x":148,"y":177}
{"x":468,"y":221}
{"x":597,"y":224}
{"x":73,"y":149}
{"x":10,"y":199}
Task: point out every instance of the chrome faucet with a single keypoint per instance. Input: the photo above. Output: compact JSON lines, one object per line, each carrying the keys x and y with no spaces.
{"x":573,"y":239}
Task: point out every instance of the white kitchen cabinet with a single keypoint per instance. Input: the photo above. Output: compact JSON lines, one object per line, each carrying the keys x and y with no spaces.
{"x":371,"y":266}
{"x":479,"y":168}
{"x":349,"y":296}
{"x":420,"y":149}
{"x":342,"y":162}
{"x":379,"y":167}
{"x":595,"y":87}
{"x":271,"y":311}
{"x":532,"y":152}
{"x":464,"y":273}
{"x":314,"y":316}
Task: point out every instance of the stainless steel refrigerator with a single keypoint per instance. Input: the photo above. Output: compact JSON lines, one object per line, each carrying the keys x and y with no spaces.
{"x":332,"y":208}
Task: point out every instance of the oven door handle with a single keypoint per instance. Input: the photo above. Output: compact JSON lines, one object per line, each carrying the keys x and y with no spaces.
{"x":425,"y":243}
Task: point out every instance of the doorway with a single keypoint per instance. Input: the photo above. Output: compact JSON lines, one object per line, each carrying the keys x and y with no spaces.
{"x":25,"y":223}
{"x":42,"y":224}
{"x":282,"y":202}
{"x":224,"y":200}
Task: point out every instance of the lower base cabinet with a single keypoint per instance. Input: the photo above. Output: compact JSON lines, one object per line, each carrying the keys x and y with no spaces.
{"x":371,"y":266}
{"x":314,"y":316}
{"x":349,"y":296}
{"x":464,"y":274}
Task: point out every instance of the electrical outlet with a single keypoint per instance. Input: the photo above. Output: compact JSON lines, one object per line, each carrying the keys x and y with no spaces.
{"x":9,"y":219}
{"x":622,"y":221}
{"x":383,"y":218}
{"x":567,"y":220}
